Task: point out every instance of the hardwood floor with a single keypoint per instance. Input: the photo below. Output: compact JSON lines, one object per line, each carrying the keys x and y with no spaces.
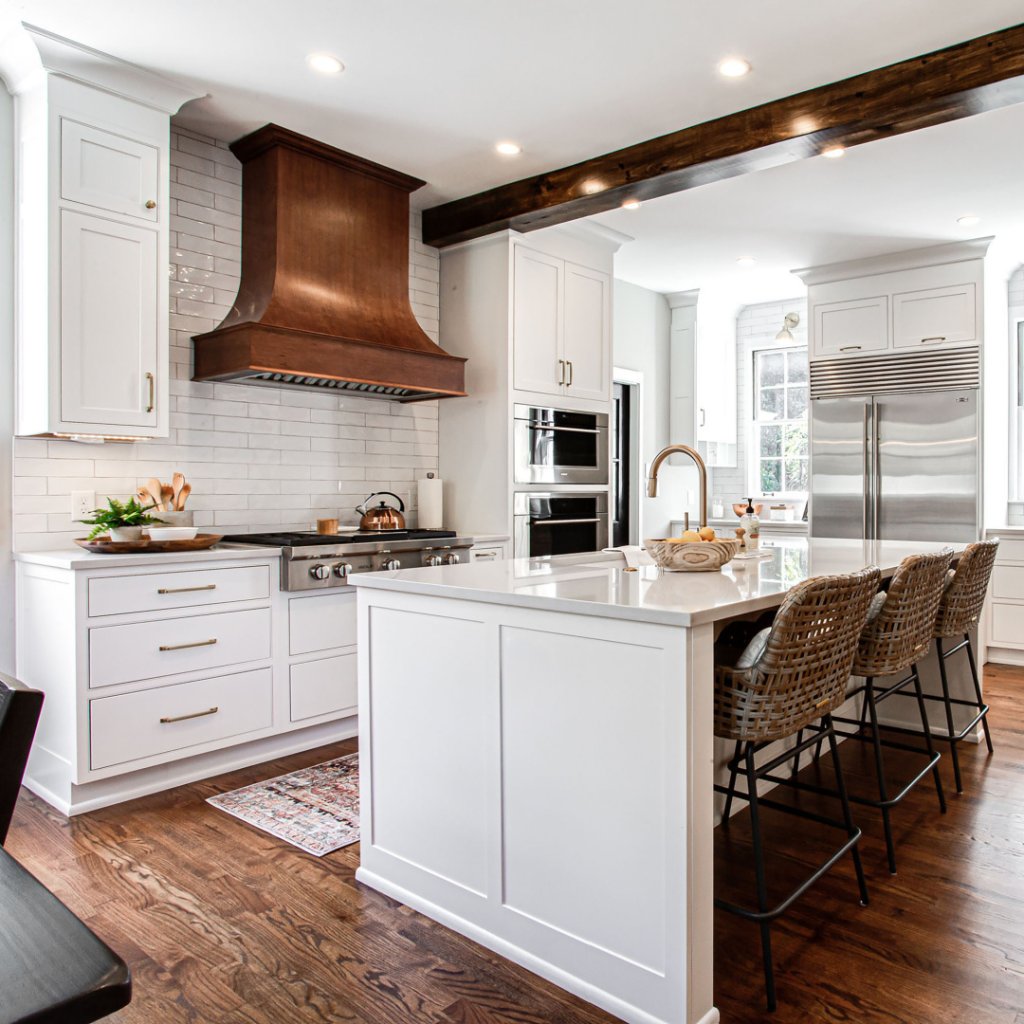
{"x":221,"y":923}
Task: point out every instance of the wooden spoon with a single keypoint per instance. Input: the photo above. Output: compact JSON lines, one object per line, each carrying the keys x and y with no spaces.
{"x":156,"y":492}
{"x":177,"y":482}
{"x":167,"y":498}
{"x":179,"y":502}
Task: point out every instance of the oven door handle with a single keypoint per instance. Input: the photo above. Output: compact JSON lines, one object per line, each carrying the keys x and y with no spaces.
{"x":562,"y":522}
{"x":570,"y":430}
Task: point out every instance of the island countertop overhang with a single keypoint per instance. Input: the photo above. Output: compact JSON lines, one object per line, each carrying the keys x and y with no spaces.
{"x":599,"y":585}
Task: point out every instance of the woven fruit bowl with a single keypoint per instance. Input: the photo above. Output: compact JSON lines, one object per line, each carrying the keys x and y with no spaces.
{"x":691,"y":556}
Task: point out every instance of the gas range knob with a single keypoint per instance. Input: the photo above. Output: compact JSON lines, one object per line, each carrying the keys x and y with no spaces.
{"x":433,"y":560}
{"x":391,"y":564}
{"x":320,"y":572}
{"x":451,"y":558}
{"x":342,"y":569}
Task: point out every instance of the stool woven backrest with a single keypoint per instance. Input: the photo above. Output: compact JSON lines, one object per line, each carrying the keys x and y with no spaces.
{"x":961,"y":604}
{"x":805,"y":666}
{"x":901,"y":633}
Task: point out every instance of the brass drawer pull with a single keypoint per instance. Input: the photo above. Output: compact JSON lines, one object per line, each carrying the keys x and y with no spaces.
{"x":936,"y":337}
{"x":152,"y":392}
{"x":850,"y":348}
{"x":185,"y":590}
{"x":185,"y":718}
{"x":182,"y":647}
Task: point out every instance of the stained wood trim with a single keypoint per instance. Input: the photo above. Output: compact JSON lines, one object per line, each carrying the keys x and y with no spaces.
{"x":969,"y":78}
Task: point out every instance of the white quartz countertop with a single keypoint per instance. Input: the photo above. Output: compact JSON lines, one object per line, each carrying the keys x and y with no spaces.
{"x":79,"y":558}
{"x":598,"y":584}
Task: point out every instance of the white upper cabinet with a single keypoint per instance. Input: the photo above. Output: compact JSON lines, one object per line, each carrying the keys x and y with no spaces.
{"x":561,"y":327}
{"x":935,"y":316}
{"x":537,"y":322}
{"x":93,"y":168}
{"x":110,"y":336}
{"x":857,"y":325}
{"x":108,"y":171}
{"x":587,"y":333}
{"x":913,"y":301}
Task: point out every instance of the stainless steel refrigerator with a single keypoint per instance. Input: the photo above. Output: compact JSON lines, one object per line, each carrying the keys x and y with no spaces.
{"x":896,"y":466}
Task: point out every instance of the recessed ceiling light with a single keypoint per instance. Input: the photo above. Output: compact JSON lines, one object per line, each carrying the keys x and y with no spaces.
{"x":834,"y":152}
{"x":745,"y":261}
{"x":968,"y":219}
{"x":325,"y":63}
{"x":734,"y":67}
{"x":631,"y":204}
{"x":509,"y":148}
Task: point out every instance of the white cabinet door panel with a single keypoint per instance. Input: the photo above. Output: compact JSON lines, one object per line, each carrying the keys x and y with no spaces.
{"x":935,"y":316}
{"x":851,"y":327}
{"x":321,"y":622}
{"x":537,"y":322}
{"x":109,"y":331}
{"x":1007,"y":625}
{"x":115,"y":595}
{"x":108,"y":171}
{"x":586,"y":339}
{"x":325,"y":687}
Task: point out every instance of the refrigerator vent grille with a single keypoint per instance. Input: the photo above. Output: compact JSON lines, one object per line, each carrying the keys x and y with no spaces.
{"x":888,"y":374}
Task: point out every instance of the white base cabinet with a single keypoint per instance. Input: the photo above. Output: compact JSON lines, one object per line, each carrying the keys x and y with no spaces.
{"x":1005,"y":611}
{"x":161,"y":673}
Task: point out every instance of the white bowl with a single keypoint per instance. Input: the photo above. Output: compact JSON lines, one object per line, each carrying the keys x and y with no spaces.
{"x":172,"y":532}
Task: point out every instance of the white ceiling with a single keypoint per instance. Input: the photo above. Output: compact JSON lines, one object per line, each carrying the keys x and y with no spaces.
{"x":431,"y":85}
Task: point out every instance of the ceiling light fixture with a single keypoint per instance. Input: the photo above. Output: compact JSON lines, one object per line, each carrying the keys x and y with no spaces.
{"x":833,"y":152}
{"x":745,"y":261}
{"x":631,"y":204}
{"x":733,"y":67}
{"x":509,"y":148}
{"x":789,"y":321}
{"x":325,"y":63}
{"x":968,"y":219}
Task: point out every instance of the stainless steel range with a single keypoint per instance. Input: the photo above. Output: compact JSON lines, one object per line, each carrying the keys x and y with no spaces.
{"x":313,"y":561}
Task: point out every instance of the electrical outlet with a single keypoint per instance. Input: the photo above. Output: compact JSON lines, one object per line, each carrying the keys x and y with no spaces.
{"x":82,"y":503}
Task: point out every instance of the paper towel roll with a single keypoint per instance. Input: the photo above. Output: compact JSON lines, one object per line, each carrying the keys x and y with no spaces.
{"x":431,"y":512}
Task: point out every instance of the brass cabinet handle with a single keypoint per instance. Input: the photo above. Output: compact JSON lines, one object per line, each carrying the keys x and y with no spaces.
{"x":568,"y":383}
{"x":182,"y":647}
{"x":185,"y":590}
{"x":850,"y":348}
{"x":150,"y":204}
{"x":185,"y":718}
{"x":937,"y":337}
{"x":561,"y":372}
{"x":152,"y":392}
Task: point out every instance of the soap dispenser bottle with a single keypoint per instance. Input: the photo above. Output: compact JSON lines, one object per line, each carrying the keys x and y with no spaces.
{"x":752,"y":527}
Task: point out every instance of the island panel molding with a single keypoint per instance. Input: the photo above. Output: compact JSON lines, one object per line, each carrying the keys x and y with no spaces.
{"x":969,"y":78}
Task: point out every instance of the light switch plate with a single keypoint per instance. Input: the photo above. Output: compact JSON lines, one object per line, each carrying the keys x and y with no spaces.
{"x":82,"y":503}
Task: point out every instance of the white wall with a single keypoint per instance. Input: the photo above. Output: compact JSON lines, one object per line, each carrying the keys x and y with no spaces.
{"x":640,"y":342}
{"x":6,"y":376}
{"x":258,"y":458}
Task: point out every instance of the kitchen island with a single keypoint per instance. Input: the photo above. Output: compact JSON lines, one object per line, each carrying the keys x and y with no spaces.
{"x":538,"y":758}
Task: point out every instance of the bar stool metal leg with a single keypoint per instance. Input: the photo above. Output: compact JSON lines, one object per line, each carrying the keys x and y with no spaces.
{"x":762,"y":885}
{"x":734,"y":765}
{"x":929,"y":745}
{"x":851,"y":829}
{"x":951,"y":729}
{"x":977,"y":691}
{"x":883,"y":790}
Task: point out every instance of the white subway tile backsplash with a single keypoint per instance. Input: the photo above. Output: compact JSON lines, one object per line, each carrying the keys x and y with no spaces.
{"x":258,"y":458}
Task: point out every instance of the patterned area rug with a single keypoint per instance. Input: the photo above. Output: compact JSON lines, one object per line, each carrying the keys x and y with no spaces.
{"x":315,"y":809}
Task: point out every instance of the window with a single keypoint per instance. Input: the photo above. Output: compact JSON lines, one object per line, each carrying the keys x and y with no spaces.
{"x":780,"y":421}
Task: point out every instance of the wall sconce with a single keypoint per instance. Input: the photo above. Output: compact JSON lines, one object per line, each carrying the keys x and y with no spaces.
{"x":790,"y":321}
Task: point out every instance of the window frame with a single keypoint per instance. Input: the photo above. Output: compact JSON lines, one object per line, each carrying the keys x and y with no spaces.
{"x":755,"y":424}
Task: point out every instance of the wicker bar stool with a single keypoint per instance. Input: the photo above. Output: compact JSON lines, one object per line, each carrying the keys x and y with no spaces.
{"x":959,"y":611}
{"x":786,"y":677}
{"x":897,"y":636}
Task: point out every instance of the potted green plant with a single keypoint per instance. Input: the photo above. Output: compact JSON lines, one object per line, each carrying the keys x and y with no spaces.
{"x":122,"y":520}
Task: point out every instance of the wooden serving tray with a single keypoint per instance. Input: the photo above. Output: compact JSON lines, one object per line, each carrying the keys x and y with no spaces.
{"x":106,"y":546}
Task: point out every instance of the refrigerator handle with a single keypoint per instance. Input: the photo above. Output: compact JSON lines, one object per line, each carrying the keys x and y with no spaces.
{"x":876,"y":451}
{"x":867,"y":504}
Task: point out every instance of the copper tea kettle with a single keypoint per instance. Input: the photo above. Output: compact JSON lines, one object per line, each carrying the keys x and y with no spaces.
{"x":382,"y":516}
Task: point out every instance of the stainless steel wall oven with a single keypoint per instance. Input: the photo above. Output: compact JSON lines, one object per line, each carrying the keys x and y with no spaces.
{"x":559,"y":446}
{"x":559,"y":522}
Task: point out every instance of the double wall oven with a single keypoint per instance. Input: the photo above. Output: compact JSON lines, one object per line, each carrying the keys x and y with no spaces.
{"x":560,"y":504}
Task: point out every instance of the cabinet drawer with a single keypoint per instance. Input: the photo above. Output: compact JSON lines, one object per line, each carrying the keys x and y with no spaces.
{"x":935,"y":316}
{"x":147,"y":650}
{"x":1010,"y":551}
{"x":108,"y":171}
{"x":487,"y":554}
{"x":851,"y":327}
{"x":1008,"y":582}
{"x":1007,"y":624}
{"x":323,"y":687}
{"x":114,"y":595}
{"x":135,"y":725}
{"x":321,"y":622}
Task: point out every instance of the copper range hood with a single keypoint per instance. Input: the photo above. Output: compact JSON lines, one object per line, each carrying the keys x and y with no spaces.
{"x":324,"y":299}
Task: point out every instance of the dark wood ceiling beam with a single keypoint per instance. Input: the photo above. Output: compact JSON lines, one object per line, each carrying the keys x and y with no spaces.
{"x":959,"y":81}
